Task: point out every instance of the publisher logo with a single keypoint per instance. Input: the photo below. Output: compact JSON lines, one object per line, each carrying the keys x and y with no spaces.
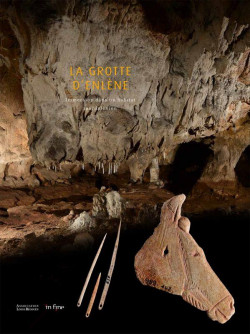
{"x":27,"y":307}
{"x":36,"y":307}
{"x":54,"y":307}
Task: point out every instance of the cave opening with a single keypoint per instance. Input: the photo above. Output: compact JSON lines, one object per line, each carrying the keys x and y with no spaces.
{"x":190,"y":160}
{"x":242,"y":169}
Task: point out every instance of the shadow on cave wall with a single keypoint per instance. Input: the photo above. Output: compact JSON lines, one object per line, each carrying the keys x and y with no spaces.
{"x":189,"y":163}
{"x":242,"y":169}
{"x":168,"y":16}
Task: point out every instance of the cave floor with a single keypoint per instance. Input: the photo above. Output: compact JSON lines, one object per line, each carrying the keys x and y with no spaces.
{"x":28,"y":217}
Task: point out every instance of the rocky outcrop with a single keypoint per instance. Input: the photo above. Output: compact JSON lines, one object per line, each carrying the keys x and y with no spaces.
{"x":189,"y":80}
{"x":84,"y":221}
{"x":15,"y":157}
{"x":108,"y":204}
{"x":228,"y":147}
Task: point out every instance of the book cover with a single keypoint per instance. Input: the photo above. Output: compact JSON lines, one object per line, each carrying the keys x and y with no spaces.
{"x":124,"y":166}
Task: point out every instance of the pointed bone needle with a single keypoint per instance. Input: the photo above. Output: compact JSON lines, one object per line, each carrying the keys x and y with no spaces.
{"x":111,"y":268}
{"x":92,"y":299}
{"x":90,"y":272}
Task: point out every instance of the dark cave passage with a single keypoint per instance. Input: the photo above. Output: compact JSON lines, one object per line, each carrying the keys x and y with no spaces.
{"x":242,"y":169}
{"x":189,"y":163}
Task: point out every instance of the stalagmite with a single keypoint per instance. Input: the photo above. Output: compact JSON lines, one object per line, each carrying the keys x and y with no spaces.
{"x":111,"y":268}
{"x":90,"y":272}
{"x":154,"y":171}
{"x":92,"y":299}
{"x":171,"y":260}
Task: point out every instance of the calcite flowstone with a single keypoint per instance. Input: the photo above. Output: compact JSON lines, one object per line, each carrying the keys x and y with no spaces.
{"x":83,"y":221}
{"x":108,"y":204}
{"x":171,"y":260}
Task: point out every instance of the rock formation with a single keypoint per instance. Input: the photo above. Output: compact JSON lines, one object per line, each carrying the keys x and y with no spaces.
{"x":108,"y":204}
{"x":155,"y":172}
{"x":171,"y":260}
{"x":15,"y":157}
{"x":84,"y":221}
{"x":189,"y":80}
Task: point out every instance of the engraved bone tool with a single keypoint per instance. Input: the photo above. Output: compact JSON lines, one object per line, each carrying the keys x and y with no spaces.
{"x":92,"y":299}
{"x":90,"y":272}
{"x":111,"y":268}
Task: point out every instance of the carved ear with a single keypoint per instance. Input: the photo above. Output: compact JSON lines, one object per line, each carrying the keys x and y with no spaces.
{"x":184,"y":224}
{"x":171,"y":209}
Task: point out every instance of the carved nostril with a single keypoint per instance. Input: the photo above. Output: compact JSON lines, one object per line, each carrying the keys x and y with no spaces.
{"x":195,"y":254}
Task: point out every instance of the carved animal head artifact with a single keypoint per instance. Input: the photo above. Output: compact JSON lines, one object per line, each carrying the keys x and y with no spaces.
{"x":171,"y":260}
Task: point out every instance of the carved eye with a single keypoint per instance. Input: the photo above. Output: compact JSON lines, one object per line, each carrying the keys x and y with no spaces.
{"x":165,"y":252}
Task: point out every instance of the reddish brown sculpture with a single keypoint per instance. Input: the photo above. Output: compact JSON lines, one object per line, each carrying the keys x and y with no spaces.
{"x":171,"y":260}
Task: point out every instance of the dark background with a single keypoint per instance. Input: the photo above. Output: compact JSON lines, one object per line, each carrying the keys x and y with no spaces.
{"x":130,"y":307}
